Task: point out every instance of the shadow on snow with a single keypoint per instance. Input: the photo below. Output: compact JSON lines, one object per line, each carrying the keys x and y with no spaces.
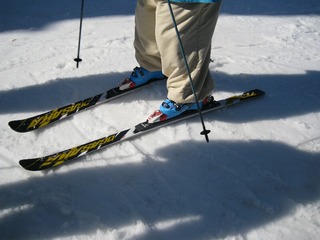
{"x":224,"y":187}
{"x":231,"y":186}
{"x":19,"y":14}
{"x":286,"y":95}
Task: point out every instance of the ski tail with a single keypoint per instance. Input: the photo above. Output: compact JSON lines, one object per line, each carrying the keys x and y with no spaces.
{"x":213,"y":105}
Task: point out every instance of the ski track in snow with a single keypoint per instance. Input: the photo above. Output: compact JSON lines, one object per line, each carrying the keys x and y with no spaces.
{"x":258,"y":177}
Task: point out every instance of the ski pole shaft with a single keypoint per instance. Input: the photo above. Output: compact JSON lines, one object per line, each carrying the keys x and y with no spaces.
{"x":78,"y":59}
{"x":205,"y":132}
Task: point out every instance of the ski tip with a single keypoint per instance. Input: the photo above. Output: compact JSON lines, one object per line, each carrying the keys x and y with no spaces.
{"x":19,"y":126}
{"x":25,"y":163}
{"x":15,"y":125}
{"x":258,"y":92}
{"x":30,"y":164}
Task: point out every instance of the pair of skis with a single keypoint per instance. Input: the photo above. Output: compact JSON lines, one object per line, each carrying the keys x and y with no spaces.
{"x":56,"y":159}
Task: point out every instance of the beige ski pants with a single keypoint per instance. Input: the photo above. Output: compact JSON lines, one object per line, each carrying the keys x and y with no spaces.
{"x":157,"y":47}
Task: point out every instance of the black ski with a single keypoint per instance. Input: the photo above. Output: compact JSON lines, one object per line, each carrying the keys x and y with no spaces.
{"x":56,"y":159}
{"x":47,"y":118}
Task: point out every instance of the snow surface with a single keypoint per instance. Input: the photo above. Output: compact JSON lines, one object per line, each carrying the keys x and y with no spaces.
{"x":258,"y":178}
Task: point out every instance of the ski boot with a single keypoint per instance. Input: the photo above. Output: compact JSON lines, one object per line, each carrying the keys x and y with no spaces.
{"x":140,"y":76}
{"x":170,"y":109}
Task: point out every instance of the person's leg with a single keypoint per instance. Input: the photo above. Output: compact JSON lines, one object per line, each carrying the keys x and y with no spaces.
{"x":146,"y":49}
{"x":196,"y":23}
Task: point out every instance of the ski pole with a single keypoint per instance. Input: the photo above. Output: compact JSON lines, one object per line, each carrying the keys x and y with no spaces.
{"x":78,"y":59}
{"x":204,"y":131}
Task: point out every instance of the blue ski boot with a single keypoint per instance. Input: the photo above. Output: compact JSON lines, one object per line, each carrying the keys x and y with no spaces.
{"x":170,"y":109}
{"x":140,"y":76}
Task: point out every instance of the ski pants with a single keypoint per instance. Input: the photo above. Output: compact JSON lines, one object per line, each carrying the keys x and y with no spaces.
{"x":157,"y":46}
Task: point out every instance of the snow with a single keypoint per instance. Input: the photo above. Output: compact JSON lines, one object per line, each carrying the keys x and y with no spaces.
{"x":257,"y":179}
